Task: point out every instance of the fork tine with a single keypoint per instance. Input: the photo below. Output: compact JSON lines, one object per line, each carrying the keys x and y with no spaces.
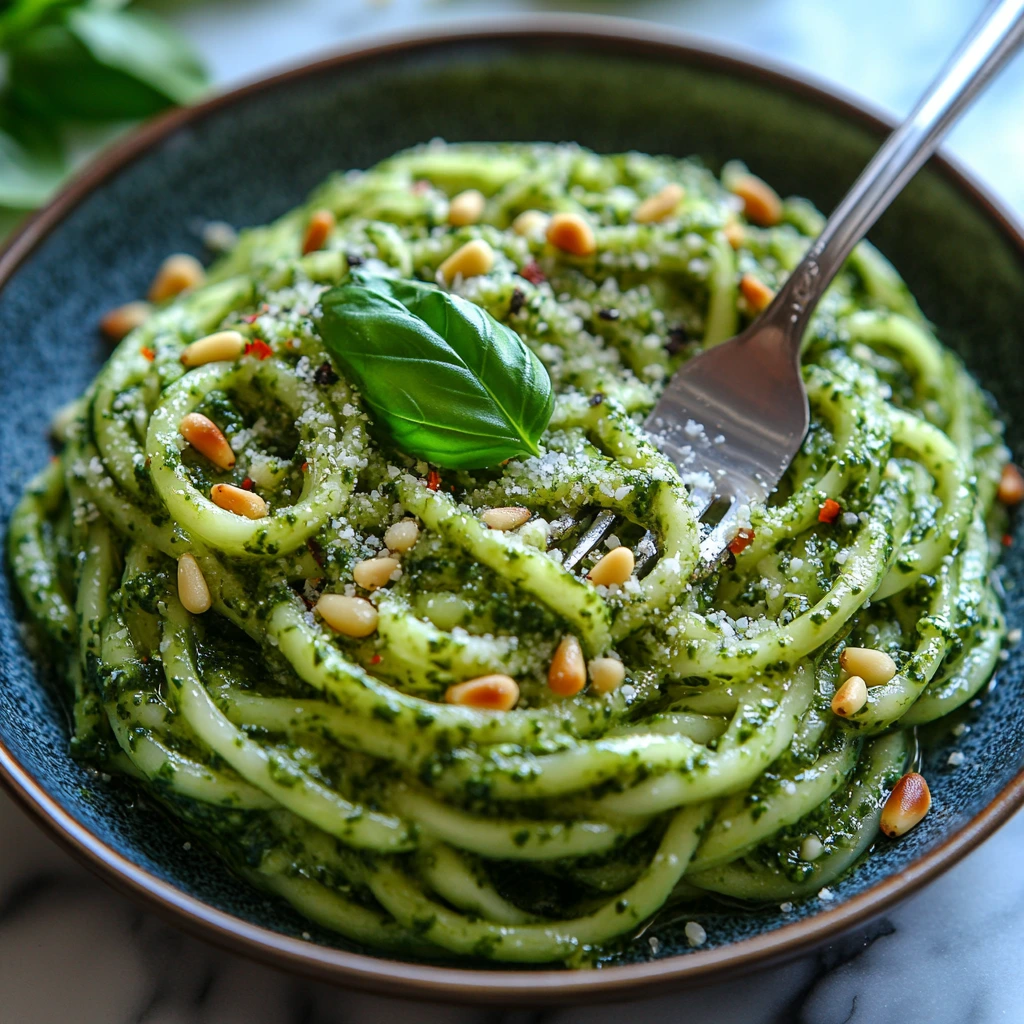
{"x":596,"y":532}
{"x":712,"y":546}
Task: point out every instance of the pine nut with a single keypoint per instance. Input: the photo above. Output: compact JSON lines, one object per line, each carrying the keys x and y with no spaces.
{"x":489,"y":693}
{"x":120,"y":322}
{"x":811,"y":848}
{"x":531,"y":223}
{"x":352,"y":616}
{"x":758,"y":295}
{"x":373,"y":573}
{"x":734,"y":234}
{"x":606,"y":674}
{"x":567,"y":674}
{"x":177,"y":274}
{"x":222,"y":346}
{"x":875,"y":667}
{"x":205,"y":436}
{"x":850,"y":697}
{"x":506,"y":518}
{"x":318,"y":230}
{"x":193,"y":592}
{"x":908,"y":803}
{"x":615,"y":567}
{"x":466,"y":208}
{"x":572,"y":234}
{"x":401,"y":536}
{"x":761,"y":203}
{"x":470,"y":260}
{"x":659,"y":206}
{"x":241,"y":502}
{"x":1011,"y":485}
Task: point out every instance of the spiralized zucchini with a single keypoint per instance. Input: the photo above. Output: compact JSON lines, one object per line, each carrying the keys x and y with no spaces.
{"x":330,"y":770}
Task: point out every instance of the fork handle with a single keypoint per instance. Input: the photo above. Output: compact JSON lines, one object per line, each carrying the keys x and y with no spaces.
{"x":989,"y":45}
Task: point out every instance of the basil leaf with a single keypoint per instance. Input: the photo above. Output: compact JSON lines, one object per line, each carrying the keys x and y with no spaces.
{"x":448,"y":382}
{"x":32,"y":162}
{"x":95,"y":63}
{"x":144,"y":47}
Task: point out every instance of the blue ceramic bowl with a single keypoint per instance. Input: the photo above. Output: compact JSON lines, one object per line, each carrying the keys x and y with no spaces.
{"x":250,"y":155}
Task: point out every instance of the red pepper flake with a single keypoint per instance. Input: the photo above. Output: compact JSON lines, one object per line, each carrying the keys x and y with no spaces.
{"x":532,"y":273}
{"x":375,"y":660}
{"x":829,"y":512}
{"x":316,"y":551}
{"x":305,"y":467}
{"x":743,"y":539}
{"x":1007,"y":540}
{"x":259,"y":348}
{"x":433,"y":480}
{"x":419,"y":187}
{"x":247,"y":484}
{"x":147,"y":353}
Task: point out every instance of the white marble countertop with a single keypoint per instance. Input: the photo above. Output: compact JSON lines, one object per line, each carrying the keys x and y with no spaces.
{"x":74,"y":952}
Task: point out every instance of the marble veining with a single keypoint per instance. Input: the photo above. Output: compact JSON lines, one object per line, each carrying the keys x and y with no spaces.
{"x":72,"y":950}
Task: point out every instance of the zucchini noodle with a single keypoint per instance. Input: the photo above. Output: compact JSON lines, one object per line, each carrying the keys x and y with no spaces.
{"x":330,"y":770}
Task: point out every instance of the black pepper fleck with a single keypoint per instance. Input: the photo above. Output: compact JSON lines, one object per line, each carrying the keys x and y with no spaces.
{"x":354,"y":259}
{"x":325,"y":374}
{"x":596,"y":399}
{"x":608,"y":314}
{"x":676,"y":341}
{"x":516,"y":302}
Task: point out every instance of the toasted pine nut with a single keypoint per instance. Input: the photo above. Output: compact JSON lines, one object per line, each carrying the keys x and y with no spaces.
{"x":319,"y":228}
{"x":353,"y":616}
{"x":1011,"y":485}
{"x":875,"y":667}
{"x":850,"y":697}
{"x":489,"y":693}
{"x":908,"y":803}
{"x":470,"y":260}
{"x":572,"y":234}
{"x":811,"y":848}
{"x":615,"y":567}
{"x":120,"y":322}
{"x":531,"y":223}
{"x":466,"y":208}
{"x":659,"y":206}
{"x":401,"y":536}
{"x":734,"y":234}
{"x":205,"y":436}
{"x":567,"y":673}
{"x":606,"y":674}
{"x":756,"y":292}
{"x":373,"y":573}
{"x":177,"y":274}
{"x":508,"y":518}
{"x":761,"y":203}
{"x":193,"y":592}
{"x":214,"y":348}
{"x":241,"y":502}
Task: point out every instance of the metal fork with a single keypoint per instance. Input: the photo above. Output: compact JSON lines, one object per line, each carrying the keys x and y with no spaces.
{"x":746,"y":395}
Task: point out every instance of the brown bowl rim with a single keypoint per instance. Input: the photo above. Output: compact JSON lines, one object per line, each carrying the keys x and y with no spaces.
{"x":452,"y":984}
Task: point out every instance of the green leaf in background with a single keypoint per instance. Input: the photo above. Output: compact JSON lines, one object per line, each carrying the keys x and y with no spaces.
{"x":31,"y":162}
{"x":98,"y":63}
{"x":143,"y":46}
{"x":448,"y":382}
{"x":22,"y":15}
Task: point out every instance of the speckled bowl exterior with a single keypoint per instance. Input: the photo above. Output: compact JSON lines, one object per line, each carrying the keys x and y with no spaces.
{"x":249,"y":156}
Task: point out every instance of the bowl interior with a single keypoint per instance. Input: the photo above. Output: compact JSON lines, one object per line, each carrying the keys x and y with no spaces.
{"x":255,"y":158}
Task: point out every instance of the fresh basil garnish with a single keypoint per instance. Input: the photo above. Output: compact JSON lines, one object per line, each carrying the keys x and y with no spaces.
{"x":449,"y":383}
